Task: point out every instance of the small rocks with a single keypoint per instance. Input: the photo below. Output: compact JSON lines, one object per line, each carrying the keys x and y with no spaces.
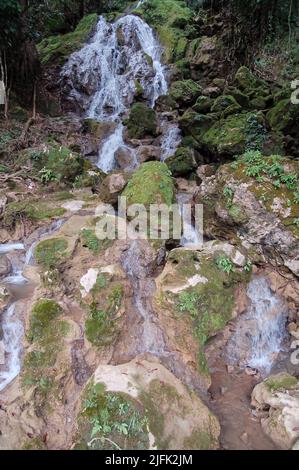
{"x":230,"y":369}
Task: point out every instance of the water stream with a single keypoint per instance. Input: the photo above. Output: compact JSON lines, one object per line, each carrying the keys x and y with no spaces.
{"x":261,"y":331}
{"x":13,"y":316}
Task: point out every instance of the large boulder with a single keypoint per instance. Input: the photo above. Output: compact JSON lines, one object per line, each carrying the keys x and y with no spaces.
{"x":168,"y":414}
{"x":190,"y":315}
{"x":150,"y":184}
{"x":185,"y":92}
{"x":141,"y":122}
{"x":257,"y":196}
{"x":182,"y":162}
{"x":278,"y":397}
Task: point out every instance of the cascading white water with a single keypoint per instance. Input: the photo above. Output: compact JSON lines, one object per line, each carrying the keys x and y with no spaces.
{"x":11,"y":320}
{"x":170,"y":141}
{"x":260,"y":332}
{"x":191,"y":238}
{"x":102,"y":76}
{"x":13,"y":332}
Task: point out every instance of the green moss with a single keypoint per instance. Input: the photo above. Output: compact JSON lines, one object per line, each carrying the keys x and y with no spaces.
{"x":282,"y":382}
{"x":46,"y":333}
{"x":141,"y":122}
{"x":42,"y":313}
{"x":182,"y":162}
{"x":110,"y":421}
{"x":60,"y":164}
{"x":170,"y":19}
{"x":185,"y":91}
{"x":284,"y":116}
{"x":225,"y":104}
{"x":56,"y":49}
{"x":246,"y":80}
{"x":50,"y":253}
{"x":208,"y":313}
{"x":160,"y":399}
{"x":203,"y":104}
{"x":233,"y":134}
{"x":30,"y":210}
{"x":150,"y":184}
{"x":101,"y":325}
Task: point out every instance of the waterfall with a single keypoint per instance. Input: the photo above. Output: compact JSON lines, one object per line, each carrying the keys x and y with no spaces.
{"x":11,"y":320}
{"x":102,"y":76}
{"x":260,"y":331}
{"x":191,"y":238}
{"x":171,"y":140}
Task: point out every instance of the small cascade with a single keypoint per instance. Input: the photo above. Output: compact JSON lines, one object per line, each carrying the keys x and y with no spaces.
{"x":101,"y":77}
{"x":191,"y":238}
{"x":12,"y":318}
{"x":170,"y":141}
{"x":260,"y":332}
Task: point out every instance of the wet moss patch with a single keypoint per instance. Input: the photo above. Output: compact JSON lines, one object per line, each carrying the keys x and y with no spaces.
{"x":102,"y":323}
{"x":50,"y":253}
{"x":46,"y":333}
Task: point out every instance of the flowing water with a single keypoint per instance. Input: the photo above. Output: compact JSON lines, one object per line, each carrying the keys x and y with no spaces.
{"x":13,"y":315}
{"x":191,"y":236}
{"x":261,"y":331}
{"x":102,"y":76}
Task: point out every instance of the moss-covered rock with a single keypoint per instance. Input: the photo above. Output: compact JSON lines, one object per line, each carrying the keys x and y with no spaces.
{"x":233,"y":134}
{"x":185,"y":286}
{"x":225,"y":104}
{"x":31,"y":210}
{"x":169,"y":18}
{"x":246,"y":80}
{"x":203,"y":104}
{"x":50,"y":253}
{"x":150,"y":184}
{"x":185,"y":91}
{"x":258,"y":196}
{"x":56,"y":49}
{"x":43,"y":312}
{"x":182,"y":162}
{"x":141,"y":122}
{"x":284,"y":116}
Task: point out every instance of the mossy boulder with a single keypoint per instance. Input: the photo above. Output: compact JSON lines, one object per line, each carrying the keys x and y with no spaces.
{"x":246,"y":80}
{"x":150,"y":184}
{"x":203,"y":104}
{"x":225,"y":105}
{"x":141,"y":122}
{"x":184,"y":290}
{"x":195,"y":124}
{"x":31,"y":210}
{"x":231,"y":135}
{"x":182,"y":162}
{"x":57,"y":49}
{"x":185,"y":92}
{"x":257,"y":196}
{"x":284,"y":116}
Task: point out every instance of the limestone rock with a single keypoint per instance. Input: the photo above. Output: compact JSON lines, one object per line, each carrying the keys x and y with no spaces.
{"x":279,"y":393}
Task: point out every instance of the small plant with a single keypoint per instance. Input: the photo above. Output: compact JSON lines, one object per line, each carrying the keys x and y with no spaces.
{"x":90,"y":240}
{"x":228,"y":193}
{"x":296,"y":222}
{"x":47,"y":175}
{"x":224,"y":264}
{"x":188,"y":302}
{"x":248,"y":267}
